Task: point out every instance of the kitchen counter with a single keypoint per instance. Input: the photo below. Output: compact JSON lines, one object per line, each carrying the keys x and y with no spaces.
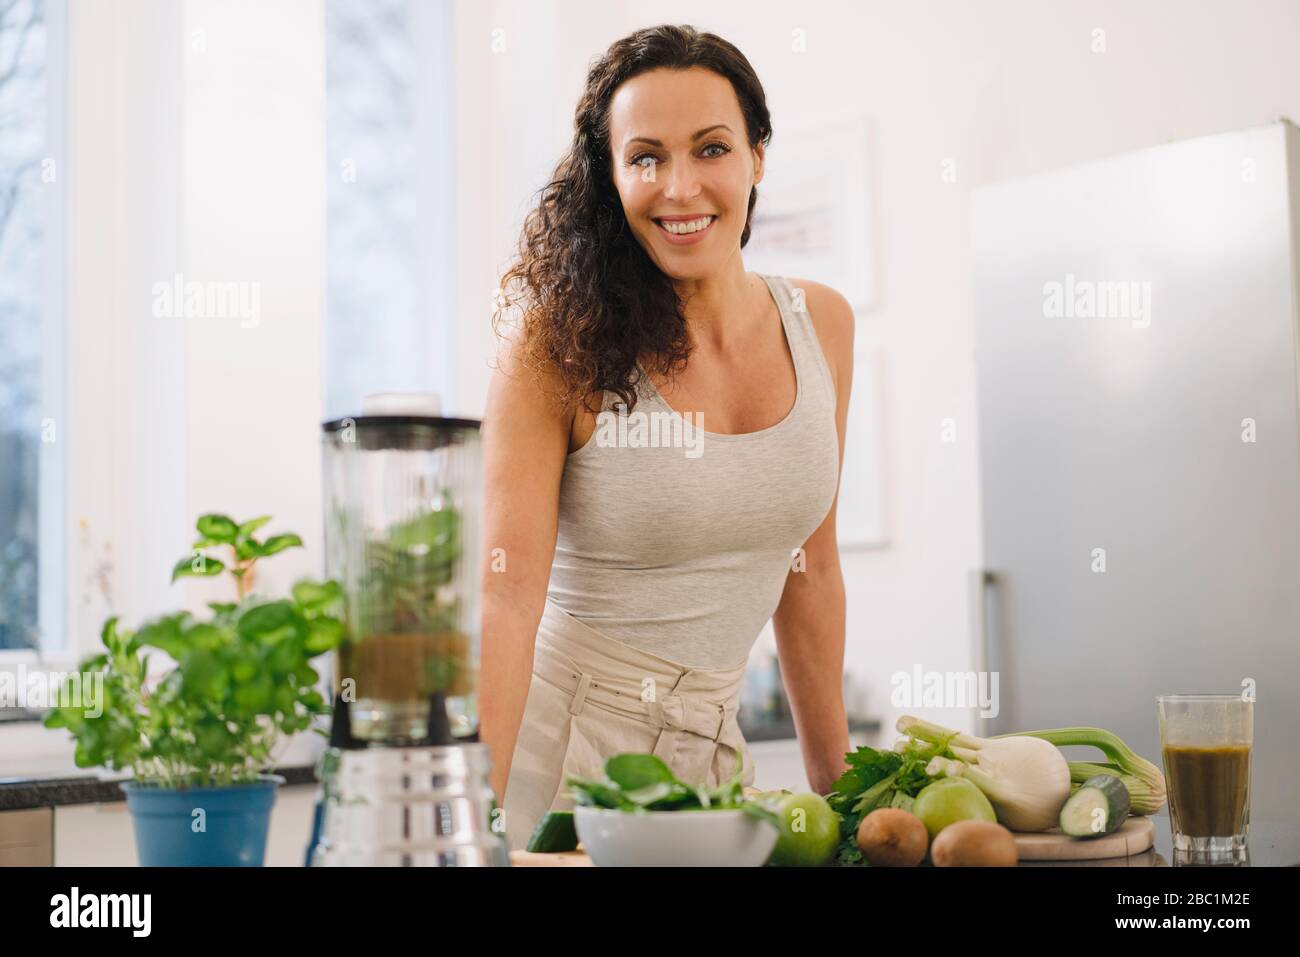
{"x":782,"y":729}
{"x":32,"y":791}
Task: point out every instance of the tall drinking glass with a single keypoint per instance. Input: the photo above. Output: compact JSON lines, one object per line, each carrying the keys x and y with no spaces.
{"x":1206,"y":740}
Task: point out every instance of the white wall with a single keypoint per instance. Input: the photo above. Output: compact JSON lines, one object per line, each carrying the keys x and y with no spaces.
{"x":1004,"y":89}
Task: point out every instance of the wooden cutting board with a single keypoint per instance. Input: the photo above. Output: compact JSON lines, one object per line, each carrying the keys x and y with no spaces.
{"x":1135,"y":836}
{"x":576,"y":858}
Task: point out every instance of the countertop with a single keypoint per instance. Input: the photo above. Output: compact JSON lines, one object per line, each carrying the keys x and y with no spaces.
{"x":18,"y":793}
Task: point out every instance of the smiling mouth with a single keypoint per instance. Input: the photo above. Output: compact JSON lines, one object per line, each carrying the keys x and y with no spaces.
{"x":685,"y":227}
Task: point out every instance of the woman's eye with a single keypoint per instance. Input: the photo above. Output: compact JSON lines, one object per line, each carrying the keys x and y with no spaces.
{"x":637,"y":160}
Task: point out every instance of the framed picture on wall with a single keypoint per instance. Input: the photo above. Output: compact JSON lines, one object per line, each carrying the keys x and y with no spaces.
{"x":814,"y":212}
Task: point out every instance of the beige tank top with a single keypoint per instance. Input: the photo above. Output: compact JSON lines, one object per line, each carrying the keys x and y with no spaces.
{"x":676,"y":540}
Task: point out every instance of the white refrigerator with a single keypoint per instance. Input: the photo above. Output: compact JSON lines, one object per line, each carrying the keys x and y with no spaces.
{"x":1136,"y":349}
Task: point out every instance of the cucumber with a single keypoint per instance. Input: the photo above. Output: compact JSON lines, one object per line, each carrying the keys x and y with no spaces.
{"x":554,"y":833}
{"x":1099,"y":807}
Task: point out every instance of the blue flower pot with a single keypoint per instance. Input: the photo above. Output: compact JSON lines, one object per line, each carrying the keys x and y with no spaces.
{"x":230,"y":831}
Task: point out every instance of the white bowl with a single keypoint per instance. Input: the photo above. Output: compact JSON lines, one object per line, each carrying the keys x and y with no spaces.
{"x":721,"y":838}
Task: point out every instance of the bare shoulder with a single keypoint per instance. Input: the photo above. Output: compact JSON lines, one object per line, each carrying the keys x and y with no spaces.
{"x":523,"y":389}
{"x":832,"y":318}
{"x":529,"y":393}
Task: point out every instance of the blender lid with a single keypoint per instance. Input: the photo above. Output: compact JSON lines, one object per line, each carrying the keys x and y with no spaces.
{"x":399,"y":421}
{"x":398,"y":411}
{"x":409,"y":433}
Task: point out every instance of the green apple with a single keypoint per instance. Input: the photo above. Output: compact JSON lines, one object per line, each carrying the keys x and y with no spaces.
{"x":810,"y":832}
{"x":949,"y":800}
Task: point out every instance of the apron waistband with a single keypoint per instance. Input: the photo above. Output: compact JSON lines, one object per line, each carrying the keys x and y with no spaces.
{"x":663,"y":694}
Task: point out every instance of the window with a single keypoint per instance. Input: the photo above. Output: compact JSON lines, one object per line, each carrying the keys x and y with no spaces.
{"x":31,"y":421}
{"x":391,"y":317}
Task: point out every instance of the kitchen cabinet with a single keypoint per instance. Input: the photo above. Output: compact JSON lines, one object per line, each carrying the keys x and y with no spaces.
{"x":27,"y":837}
{"x":101,"y":835}
{"x":55,"y":817}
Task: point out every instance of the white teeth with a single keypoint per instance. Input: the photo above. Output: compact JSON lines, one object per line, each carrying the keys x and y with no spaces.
{"x":693,"y":226}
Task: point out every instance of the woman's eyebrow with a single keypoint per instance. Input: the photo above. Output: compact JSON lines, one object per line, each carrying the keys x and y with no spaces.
{"x":698,"y":134}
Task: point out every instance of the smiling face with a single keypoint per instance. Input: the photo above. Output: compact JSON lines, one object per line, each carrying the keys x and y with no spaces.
{"x":683,"y":168}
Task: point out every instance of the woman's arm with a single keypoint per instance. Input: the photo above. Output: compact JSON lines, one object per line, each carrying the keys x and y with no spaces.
{"x":809,"y":621}
{"x":525,"y":442}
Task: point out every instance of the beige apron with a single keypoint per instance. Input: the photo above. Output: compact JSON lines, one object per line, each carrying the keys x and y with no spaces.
{"x":592,"y":697}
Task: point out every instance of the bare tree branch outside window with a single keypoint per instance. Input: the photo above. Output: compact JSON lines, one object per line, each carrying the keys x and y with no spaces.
{"x":23,"y":242}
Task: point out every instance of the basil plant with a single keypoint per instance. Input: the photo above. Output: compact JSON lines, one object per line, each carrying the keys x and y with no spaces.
{"x":243,"y":677}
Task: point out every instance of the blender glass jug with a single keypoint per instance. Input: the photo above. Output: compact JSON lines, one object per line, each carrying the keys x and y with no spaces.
{"x":403,"y":500}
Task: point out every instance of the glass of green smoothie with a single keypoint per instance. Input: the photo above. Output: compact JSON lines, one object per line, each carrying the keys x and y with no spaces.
{"x":1205,"y":740}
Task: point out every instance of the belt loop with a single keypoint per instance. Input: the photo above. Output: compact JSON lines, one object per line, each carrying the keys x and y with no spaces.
{"x":580,"y":695}
{"x":656,"y":710}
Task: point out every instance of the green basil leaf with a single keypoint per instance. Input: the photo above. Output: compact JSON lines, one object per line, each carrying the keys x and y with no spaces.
{"x":197,"y":566}
{"x":206,"y":636}
{"x":306,"y":674}
{"x":203,"y":676}
{"x":163,"y":633}
{"x":218,"y":528}
{"x":108,"y":635}
{"x":252,"y":525}
{"x":315,"y":596}
{"x":278,"y":543}
{"x":323,"y":634}
{"x":267,"y":622}
{"x":254,"y":697}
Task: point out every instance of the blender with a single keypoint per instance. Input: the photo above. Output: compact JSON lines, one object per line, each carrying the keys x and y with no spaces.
{"x":405,"y":780}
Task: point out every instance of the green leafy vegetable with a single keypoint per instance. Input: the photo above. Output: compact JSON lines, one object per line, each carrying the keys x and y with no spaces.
{"x":642,"y":782}
{"x":877,"y":779}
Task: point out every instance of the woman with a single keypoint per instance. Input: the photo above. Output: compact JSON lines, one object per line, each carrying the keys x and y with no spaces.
{"x":662,"y":445}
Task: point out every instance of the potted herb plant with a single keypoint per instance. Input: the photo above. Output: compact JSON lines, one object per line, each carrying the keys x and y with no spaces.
{"x":198,"y":738}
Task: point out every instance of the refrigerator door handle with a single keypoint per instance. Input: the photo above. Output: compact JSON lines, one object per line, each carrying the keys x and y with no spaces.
{"x":978,"y":582}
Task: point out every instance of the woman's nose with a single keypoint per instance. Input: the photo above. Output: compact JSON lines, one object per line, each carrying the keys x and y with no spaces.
{"x":682,"y":184}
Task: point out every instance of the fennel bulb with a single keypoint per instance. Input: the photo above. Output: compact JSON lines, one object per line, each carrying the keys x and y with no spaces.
{"x":1027,"y":780}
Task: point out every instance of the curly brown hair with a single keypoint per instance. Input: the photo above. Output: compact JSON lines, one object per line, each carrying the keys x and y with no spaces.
{"x":592,"y":302}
